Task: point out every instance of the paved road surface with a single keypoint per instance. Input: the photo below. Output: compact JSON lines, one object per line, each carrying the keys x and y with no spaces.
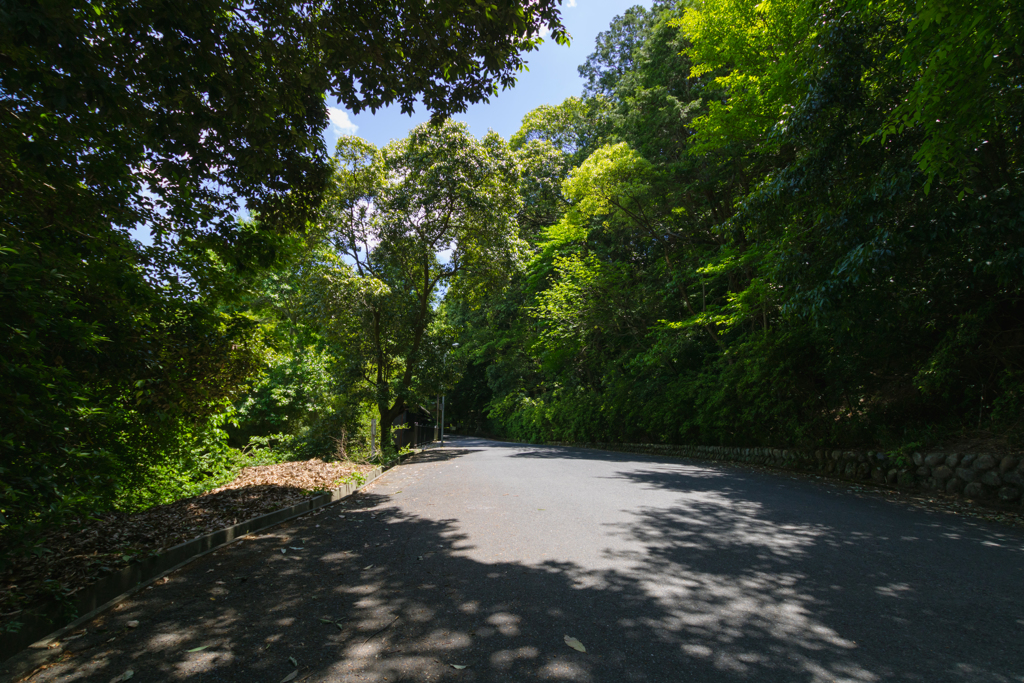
{"x":485,"y":555}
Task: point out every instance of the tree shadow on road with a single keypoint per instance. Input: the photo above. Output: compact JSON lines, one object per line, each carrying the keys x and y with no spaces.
{"x":730,"y":588}
{"x":849,"y":587}
{"x":842,"y":584}
{"x":440,"y":454}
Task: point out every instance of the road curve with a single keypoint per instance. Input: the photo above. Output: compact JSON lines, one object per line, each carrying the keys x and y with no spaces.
{"x":485,"y":555}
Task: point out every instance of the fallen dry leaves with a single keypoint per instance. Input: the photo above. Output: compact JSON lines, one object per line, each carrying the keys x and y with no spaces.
{"x":309,"y":475}
{"x":78,"y":554}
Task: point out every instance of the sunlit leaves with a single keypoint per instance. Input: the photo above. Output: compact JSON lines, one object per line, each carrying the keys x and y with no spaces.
{"x":755,"y":52}
{"x":812,"y":236}
{"x":614,"y":183}
{"x":575,"y":126}
{"x":563,"y":306}
{"x":433,"y":211}
{"x":612,"y":188}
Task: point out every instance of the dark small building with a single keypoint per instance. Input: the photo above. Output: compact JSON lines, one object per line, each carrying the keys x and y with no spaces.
{"x":413,"y":427}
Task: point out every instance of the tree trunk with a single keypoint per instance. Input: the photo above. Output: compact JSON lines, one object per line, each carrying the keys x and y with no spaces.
{"x":387,"y":416}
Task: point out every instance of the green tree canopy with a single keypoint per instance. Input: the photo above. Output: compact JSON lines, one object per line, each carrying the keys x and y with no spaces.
{"x":173,"y":119}
{"x":963,"y":60}
{"x":799,"y":224}
{"x":432,"y":212}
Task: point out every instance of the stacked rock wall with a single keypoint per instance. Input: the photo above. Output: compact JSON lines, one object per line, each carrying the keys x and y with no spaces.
{"x":977,"y":476}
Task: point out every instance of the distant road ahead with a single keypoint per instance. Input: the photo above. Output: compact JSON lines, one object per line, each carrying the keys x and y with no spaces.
{"x":486,"y":554}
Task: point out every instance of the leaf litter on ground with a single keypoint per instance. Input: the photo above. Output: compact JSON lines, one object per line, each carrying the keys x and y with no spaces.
{"x":574,"y":644}
{"x":90,"y":547}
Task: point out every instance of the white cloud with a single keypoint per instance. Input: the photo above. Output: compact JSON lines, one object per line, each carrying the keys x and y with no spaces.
{"x":572,"y":3}
{"x":341,"y":121}
{"x":544,"y":31}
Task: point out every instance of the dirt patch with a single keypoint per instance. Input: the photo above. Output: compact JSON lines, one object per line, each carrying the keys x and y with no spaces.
{"x":980,"y":442}
{"x":81,"y":552}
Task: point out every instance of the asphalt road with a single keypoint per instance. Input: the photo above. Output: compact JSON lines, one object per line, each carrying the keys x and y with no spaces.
{"x":486,"y":555}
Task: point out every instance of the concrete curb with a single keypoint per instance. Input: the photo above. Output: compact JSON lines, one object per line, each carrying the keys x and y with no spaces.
{"x":42,"y":632}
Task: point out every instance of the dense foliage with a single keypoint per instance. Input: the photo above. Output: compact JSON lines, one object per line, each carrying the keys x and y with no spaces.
{"x":409,"y":219}
{"x":786,"y":223}
{"x":762,"y":223}
{"x":137,"y":307}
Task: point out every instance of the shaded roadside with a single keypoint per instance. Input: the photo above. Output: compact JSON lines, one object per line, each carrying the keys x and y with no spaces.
{"x":75,"y":555}
{"x":738,"y":578}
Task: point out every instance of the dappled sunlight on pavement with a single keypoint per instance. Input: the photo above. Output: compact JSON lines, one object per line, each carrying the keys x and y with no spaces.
{"x":470,"y":558}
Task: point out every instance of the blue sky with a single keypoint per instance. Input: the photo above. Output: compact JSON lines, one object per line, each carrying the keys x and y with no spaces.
{"x":552,"y":78}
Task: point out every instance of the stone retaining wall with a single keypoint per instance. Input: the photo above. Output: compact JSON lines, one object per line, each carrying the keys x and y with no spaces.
{"x":977,"y":476}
